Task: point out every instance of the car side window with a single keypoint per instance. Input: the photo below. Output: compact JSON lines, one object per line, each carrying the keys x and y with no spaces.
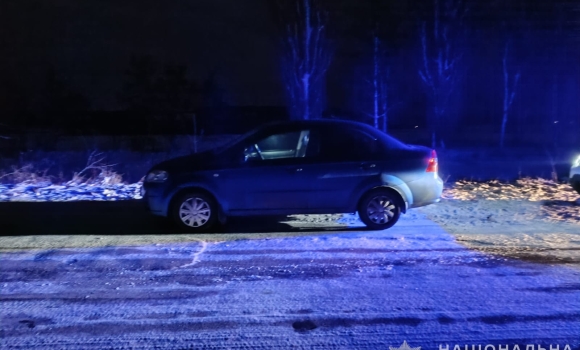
{"x":293,"y":144}
{"x":349,"y":145}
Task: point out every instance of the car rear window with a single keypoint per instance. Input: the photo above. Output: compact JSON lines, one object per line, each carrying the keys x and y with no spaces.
{"x":389,"y":141}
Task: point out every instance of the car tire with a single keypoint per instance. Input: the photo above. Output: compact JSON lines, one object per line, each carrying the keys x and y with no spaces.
{"x":379,"y":209}
{"x":195,"y":212}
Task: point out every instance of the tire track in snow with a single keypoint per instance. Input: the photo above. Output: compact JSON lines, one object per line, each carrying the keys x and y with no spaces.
{"x":195,"y":260}
{"x":368,"y":297}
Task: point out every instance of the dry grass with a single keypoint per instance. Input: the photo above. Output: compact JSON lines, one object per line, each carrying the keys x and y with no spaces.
{"x":96,"y":171}
{"x":522,"y":189}
{"x":25,"y":174}
{"x":557,"y":202}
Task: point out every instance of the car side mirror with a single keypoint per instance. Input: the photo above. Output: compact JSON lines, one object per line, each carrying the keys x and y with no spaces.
{"x":251,"y":154}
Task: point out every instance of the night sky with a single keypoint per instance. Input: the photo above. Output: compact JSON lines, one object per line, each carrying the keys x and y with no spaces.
{"x":89,"y":44}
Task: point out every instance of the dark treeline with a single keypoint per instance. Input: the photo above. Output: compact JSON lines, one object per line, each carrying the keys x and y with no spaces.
{"x":155,"y":98}
{"x":447,"y":67}
{"x":543,"y":42}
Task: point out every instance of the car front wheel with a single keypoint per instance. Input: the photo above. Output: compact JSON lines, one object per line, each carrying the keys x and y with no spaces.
{"x":379,"y":209}
{"x":195,"y":212}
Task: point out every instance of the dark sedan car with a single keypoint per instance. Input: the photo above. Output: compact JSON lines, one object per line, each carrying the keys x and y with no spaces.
{"x":575,"y":174}
{"x":302,"y":167}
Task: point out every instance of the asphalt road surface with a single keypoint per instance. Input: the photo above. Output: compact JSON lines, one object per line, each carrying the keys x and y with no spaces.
{"x":284,"y":285}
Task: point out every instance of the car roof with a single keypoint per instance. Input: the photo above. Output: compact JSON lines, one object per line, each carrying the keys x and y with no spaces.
{"x":346,"y":124}
{"x":317,"y":122}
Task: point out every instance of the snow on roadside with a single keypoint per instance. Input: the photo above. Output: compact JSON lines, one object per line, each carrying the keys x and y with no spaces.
{"x":70,"y":191}
{"x":533,"y":219}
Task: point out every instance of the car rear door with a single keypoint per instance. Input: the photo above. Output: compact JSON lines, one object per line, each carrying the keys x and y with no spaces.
{"x":347,"y":162}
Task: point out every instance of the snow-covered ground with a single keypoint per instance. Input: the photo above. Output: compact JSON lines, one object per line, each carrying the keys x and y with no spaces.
{"x":494,"y":263}
{"x":527,"y":218}
{"x":322,"y":290}
{"x":533,"y":219}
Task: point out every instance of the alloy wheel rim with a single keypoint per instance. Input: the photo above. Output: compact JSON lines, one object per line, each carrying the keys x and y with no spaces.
{"x":381,"y":210}
{"x":194,"y":212}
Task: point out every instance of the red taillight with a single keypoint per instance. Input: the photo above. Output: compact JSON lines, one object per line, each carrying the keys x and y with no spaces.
{"x":432,"y":165}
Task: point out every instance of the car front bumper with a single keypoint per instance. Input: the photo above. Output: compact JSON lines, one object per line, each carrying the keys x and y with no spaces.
{"x":153,"y":199}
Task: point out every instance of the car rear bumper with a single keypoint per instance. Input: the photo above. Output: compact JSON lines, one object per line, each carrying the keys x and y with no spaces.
{"x":427,"y":190}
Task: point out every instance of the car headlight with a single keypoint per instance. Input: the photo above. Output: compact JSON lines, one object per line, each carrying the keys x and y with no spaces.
{"x":576,"y":162}
{"x":156,"y":176}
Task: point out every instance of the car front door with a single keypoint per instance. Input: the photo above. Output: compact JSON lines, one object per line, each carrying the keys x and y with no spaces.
{"x":269,"y":177}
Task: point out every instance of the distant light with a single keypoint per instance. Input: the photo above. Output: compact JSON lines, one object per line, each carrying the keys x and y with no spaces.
{"x":556,"y":122}
{"x":416,"y":126}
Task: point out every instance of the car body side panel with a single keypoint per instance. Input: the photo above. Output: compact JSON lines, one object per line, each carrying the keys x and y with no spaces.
{"x":332,"y":184}
{"x":262,"y":188}
{"x":400,"y":186}
{"x":368,"y":185}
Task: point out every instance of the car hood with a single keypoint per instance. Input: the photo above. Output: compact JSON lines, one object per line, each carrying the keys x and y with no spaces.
{"x":192,"y":162}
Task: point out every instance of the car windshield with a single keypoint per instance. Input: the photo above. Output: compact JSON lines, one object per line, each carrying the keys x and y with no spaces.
{"x":226,"y":146}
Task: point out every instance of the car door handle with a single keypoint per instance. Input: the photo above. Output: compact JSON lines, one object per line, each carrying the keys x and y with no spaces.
{"x":368,"y":166}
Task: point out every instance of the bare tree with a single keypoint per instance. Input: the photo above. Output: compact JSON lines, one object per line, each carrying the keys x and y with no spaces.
{"x":510,"y":84}
{"x":380,"y":98}
{"x":516,"y":44}
{"x":306,"y":57}
{"x":379,"y":72}
{"x":374,"y":29}
{"x":441,"y":55}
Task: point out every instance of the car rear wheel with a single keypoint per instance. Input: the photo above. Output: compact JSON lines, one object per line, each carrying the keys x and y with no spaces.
{"x":195,"y":212}
{"x":379,"y":209}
